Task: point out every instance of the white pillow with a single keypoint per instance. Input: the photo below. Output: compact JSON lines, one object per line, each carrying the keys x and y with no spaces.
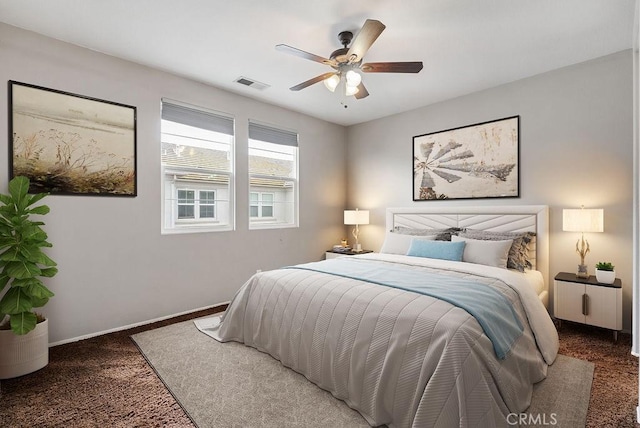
{"x":397,"y":243}
{"x":489,"y":253}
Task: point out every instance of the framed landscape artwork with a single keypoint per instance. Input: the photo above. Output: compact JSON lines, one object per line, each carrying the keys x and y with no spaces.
{"x":474,"y":161}
{"x":71,"y":144}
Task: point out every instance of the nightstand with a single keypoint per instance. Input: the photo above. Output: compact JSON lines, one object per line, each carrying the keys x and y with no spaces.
{"x":586,"y":301}
{"x":333,"y":254}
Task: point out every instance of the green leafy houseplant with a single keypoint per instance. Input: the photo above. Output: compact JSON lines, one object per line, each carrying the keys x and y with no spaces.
{"x":22,"y":260}
{"x":605,"y":266}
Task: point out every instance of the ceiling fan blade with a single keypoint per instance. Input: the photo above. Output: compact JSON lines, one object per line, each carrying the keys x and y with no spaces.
{"x":306,"y":55}
{"x":392,"y":67}
{"x":312,"y":81}
{"x":362,"y":92}
{"x":364,"y":39}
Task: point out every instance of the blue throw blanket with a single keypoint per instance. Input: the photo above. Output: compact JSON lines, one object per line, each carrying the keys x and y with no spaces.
{"x":491,"y":309}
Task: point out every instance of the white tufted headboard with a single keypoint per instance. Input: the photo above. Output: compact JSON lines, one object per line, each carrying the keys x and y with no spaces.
{"x":509,"y":218}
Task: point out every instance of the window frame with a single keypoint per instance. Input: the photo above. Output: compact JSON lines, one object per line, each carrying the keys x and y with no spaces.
{"x":257,"y":223}
{"x":260,"y":204}
{"x":190,"y":202}
{"x":171,"y":224}
{"x":197,"y":198}
{"x":211,"y":204}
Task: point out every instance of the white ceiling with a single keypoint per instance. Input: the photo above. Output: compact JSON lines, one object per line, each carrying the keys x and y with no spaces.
{"x":466,"y":45}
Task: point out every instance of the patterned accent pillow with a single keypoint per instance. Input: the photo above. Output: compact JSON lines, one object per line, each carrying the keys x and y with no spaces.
{"x":519,"y":252}
{"x":441,"y":234}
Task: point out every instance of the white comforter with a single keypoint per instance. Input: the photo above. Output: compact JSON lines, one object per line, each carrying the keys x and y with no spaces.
{"x":399,"y":358}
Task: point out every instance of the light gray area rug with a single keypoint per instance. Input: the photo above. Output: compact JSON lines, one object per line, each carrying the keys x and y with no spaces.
{"x":563,"y":395}
{"x":232,"y":385}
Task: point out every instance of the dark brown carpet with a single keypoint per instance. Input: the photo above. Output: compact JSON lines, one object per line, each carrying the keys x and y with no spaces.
{"x":106,"y":382}
{"x":614,"y":392}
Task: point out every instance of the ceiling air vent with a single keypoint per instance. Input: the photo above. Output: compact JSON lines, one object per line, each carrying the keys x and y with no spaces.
{"x":251,"y":83}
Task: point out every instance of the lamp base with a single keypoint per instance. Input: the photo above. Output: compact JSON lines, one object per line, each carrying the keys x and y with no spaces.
{"x":582,"y":272}
{"x":357,"y":248}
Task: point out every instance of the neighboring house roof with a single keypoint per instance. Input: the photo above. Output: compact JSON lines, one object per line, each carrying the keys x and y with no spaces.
{"x":180,"y":156}
{"x":194,"y":157}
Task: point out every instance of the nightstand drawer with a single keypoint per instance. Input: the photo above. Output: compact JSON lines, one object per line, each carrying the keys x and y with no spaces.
{"x":569,"y":302}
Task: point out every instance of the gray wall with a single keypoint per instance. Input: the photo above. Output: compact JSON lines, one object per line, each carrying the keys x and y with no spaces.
{"x":576,"y":148}
{"x":115,"y":267}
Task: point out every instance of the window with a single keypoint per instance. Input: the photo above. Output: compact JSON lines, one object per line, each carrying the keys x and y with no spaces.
{"x":261,"y":204}
{"x":273,"y":177}
{"x":197,"y":169}
{"x":186,"y":204}
{"x":207,"y":204}
{"x":202,"y":207}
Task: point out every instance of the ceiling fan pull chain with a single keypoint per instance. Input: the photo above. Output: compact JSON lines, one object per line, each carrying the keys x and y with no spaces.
{"x":344,"y":99}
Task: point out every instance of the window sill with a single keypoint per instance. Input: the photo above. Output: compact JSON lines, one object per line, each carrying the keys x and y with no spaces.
{"x":195,"y":228}
{"x":263,"y":220}
{"x":196,"y":223}
{"x":270,"y":225}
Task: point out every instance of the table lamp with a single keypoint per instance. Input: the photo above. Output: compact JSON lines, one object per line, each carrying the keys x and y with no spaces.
{"x":582,"y":220}
{"x":356,"y":217}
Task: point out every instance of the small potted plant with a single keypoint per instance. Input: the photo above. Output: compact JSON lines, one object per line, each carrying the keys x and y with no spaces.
{"x":605,"y":272}
{"x":24,"y":335}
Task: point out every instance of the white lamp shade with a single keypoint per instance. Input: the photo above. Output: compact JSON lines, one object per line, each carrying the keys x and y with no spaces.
{"x":583,"y":220}
{"x":350,"y":90}
{"x":356,"y":217}
{"x":353,"y":78}
{"x":332,"y":82}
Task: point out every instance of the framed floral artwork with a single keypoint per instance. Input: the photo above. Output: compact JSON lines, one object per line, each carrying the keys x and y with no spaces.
{"x":71,"y":144}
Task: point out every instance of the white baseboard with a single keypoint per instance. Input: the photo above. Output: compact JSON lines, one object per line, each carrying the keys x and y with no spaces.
{"x":138,"y":324}
{"x":638,"y":414}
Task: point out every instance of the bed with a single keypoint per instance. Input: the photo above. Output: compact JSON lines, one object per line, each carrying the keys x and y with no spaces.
{"x":393,"y":335}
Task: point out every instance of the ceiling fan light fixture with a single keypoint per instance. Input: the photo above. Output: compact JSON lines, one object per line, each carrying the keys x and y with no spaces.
{"x":353,"y":78}
{"x":350,"y":90}
{"x":332,"y":82}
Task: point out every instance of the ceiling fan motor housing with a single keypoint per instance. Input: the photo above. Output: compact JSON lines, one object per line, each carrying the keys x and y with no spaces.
{"x":345,"y":38}
{"x":340,"y":55}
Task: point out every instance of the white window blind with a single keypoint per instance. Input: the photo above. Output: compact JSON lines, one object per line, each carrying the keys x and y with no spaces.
{"x":269,"y":134}
{"x":197,"y":118}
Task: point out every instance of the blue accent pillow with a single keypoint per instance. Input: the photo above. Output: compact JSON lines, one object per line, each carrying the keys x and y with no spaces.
{"x":444,"y":250}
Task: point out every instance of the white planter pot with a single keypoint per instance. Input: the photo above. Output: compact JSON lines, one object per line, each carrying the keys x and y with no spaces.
{"x":21,"y":355}
{"x":605,"y":276}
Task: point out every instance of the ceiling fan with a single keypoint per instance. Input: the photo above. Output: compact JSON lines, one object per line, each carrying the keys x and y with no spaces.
{"x":347,"y":61}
